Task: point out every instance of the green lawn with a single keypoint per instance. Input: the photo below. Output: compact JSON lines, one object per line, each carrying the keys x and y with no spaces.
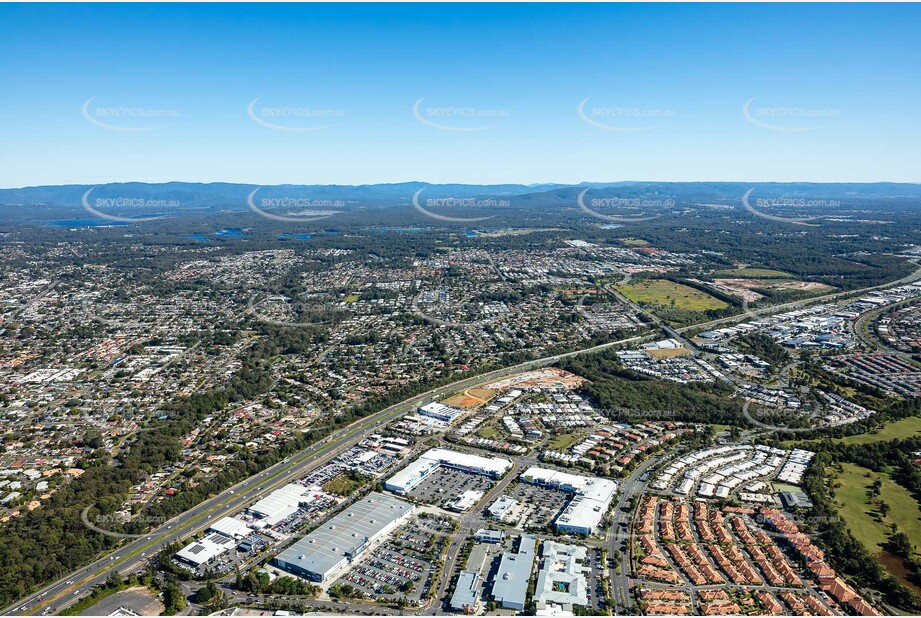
{"x":351,"y":298}
{"x":669,"y":293}
{"x":562,"y":441}
{"x":753,"y":273}
{"x":860,"y":516}
{"x":901,"y":429}
{"x":906,"y":428}
{"x":489,"y":432}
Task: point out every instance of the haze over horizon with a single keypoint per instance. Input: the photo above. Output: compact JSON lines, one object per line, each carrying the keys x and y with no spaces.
{"x":478,"y":94}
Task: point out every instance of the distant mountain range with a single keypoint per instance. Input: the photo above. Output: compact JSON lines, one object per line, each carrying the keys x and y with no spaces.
{"x":198,"y":196}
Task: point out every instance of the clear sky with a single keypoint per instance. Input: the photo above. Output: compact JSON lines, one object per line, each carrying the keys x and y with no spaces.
{"x":836,"y":93}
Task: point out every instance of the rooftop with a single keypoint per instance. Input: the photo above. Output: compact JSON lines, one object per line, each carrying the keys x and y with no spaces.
{"x":346,"y":534}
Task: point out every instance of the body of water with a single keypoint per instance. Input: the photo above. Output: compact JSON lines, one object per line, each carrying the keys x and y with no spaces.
{"x":87,"y":223}
{"x":400,"y":230}
{"x":231,"y":232}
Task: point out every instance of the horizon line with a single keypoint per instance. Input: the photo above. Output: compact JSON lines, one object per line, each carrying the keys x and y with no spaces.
{"x":470,"y":184}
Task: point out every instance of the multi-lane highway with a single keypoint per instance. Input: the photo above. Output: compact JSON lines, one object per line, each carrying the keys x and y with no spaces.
{"x":796,"y":304}
{"x":58,"y":595}
{"x":55,"y":597}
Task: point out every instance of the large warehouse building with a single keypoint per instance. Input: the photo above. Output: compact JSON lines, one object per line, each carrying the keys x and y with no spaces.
{"x":282,"y":503}
{"x":510,"y":586}
{"x":431,"y":460}
{"x":320,"y":555}
{"x":591,"y":500}
{"x":441,"y":412}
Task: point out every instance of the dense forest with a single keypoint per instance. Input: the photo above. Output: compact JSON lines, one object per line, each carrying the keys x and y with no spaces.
{"x":624,"y":394}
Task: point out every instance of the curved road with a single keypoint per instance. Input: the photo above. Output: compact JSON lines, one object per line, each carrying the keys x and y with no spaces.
{"x":131,"y":556}
{"x":60,"y":594}
{"x":911,"y":278}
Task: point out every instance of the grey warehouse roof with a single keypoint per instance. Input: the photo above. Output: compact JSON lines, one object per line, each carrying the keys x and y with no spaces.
{"x":344,"y":535}
{"x":511,"y":583}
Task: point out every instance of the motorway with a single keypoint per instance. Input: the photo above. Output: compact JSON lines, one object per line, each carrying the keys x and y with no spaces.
{"x":864,"y":333}
{"x":58,"y":595}
{"x":771,"y":309}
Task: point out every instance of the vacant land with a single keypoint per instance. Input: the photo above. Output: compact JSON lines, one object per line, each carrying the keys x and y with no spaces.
{"x":344,"y":484}
{"x":482,"y":393}
{"x":489,"y":432}
{"x":672,"y":353}
{"x":463,"y":400}
{"x":669,"y":293}
{"x":860,"y":516}
{"x":754,"y":273}
{"x":634,"y":242}
{"x":138,"y":599}
{"x":562,"y":441}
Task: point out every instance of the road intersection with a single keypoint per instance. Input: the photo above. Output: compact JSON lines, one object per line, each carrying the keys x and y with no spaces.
{"x":130,"y":557}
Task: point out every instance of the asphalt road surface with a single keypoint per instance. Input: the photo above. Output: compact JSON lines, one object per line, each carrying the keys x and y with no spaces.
{"x":130,"y":557}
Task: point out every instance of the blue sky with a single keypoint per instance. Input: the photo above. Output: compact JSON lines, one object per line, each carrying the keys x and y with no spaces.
{"x":836,"y":93}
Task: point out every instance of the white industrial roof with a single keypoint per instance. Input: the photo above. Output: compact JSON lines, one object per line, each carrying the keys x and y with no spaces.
{"x":230,"y":527}
{"x":592,"y":498}
{"x":409,"y":476}
{"x":346,"y":534}
{"x":202,"y":551}
{"x":280,"y":500}
{"x":467,"y":500}
{"x":491,"y":465}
